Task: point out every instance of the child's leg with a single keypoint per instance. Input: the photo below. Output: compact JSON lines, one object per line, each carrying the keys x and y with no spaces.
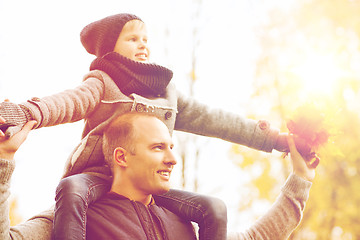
{"x":210,"y":213}
{"x":73,"y":196}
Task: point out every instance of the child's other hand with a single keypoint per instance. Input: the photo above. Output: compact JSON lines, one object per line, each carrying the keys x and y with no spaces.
{"x":282,"y":144}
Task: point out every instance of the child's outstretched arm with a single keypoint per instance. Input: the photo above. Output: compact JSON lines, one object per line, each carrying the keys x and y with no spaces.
{"x":64,"y":107}
{"x":201,"y":119}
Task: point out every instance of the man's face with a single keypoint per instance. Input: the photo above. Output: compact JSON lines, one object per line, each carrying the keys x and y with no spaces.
{"x":150,"y":167}
{"x":132,"y":41}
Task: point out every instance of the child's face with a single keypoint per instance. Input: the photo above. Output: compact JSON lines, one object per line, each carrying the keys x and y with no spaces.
{"x":132,"y":41}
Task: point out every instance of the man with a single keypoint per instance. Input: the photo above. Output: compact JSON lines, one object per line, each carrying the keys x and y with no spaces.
{"x":140,"y":146}
{"x":142,"y":167}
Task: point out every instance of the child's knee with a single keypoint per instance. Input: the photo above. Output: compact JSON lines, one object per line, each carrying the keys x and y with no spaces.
{"x":83,"y":187}
{"x":70,"y":188}
{"x":216,"y":209}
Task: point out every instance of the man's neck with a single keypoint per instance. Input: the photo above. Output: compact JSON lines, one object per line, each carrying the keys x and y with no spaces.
{"x":134,"y":195}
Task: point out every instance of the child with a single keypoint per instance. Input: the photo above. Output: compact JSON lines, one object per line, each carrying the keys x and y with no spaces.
{"x":120,"y":80}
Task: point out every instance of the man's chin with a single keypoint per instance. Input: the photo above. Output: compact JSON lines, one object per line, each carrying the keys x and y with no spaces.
{"x":162,"y":190}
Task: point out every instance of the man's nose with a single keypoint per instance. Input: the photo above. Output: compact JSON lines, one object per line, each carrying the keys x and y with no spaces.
{"x":170,"y":157}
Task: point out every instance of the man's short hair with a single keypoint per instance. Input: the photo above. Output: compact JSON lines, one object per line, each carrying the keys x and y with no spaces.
{"x":121,"y":133}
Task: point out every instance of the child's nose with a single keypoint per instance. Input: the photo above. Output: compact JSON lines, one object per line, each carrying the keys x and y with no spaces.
{"x":142,"y":44}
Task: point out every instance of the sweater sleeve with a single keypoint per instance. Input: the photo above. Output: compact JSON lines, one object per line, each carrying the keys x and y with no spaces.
{"x":68,"y":106}
{"x":36,"y":228}
{"x":198,"y":118}
{"x":283,"y":217}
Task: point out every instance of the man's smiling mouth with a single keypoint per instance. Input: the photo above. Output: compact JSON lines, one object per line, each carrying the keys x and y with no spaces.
{"x":164,"y":173}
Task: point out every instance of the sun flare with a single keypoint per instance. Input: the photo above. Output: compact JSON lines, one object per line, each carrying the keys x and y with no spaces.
{"x":318,"y":74}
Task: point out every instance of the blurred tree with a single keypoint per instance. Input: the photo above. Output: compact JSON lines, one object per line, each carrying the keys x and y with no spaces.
{"x":310,"y":54}
{"x":189,"y":146}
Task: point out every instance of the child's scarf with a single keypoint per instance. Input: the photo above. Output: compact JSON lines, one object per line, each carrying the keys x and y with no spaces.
{"x":134,"y":77}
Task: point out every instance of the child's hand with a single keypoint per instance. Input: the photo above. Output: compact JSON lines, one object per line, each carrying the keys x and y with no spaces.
{"x":13,"y":118}
{"x":282,"y":144}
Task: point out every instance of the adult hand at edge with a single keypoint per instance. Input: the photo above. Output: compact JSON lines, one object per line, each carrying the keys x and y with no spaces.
{"x":301,"y":167}
{"x":9,"y":146}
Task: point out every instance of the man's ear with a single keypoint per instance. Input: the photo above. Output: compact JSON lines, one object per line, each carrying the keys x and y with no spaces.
{"x":120,"y":157}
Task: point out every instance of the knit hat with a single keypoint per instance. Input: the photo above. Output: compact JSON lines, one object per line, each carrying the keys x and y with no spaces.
{"x":100,"y":37}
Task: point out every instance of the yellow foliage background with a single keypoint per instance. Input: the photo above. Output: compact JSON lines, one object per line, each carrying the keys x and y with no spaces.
{"x":323,"y":69}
